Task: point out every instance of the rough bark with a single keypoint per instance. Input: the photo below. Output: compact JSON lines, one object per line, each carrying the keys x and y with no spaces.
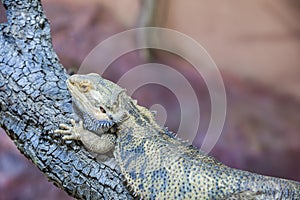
{"x":34,"y":100}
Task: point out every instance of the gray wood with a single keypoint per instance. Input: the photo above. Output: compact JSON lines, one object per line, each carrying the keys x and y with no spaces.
{"x":34,"y":100}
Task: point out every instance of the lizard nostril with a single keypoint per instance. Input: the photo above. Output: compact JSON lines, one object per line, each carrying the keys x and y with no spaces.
{"x":70,"y":81}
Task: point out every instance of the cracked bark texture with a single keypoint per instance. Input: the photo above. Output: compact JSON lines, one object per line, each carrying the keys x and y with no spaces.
{"x":34,"y":100}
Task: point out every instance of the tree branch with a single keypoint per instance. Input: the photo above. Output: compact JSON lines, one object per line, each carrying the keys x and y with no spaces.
{"x":34,"y":100}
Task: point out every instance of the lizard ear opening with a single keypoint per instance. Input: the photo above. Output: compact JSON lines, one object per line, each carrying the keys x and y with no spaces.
{"x":102,"y":109}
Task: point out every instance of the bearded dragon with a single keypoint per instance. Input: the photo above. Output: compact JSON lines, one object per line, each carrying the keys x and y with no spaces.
{"x":156,"y":164}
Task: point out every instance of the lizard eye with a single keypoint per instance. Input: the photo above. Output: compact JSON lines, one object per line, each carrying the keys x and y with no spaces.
{"x":84,"y":87}
{"x":102,"y":109}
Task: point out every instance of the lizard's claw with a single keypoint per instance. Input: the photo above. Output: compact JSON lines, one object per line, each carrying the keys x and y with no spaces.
{"x":73,"y":122}
{"x":70,"y":132}
{"x":64,"y":126}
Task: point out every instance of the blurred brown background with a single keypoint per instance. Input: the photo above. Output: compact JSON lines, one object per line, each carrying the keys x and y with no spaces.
{"x":255,"y":44}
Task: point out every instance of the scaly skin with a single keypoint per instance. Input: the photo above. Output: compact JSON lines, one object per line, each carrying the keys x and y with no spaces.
{"x":155,"y":164}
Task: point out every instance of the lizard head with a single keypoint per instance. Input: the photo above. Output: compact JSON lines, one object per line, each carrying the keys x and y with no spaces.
{"x":96,"y":101}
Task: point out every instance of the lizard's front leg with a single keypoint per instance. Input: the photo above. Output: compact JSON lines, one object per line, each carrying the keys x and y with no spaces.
{"x":71,"y":132}
{"x":99,"y":144}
